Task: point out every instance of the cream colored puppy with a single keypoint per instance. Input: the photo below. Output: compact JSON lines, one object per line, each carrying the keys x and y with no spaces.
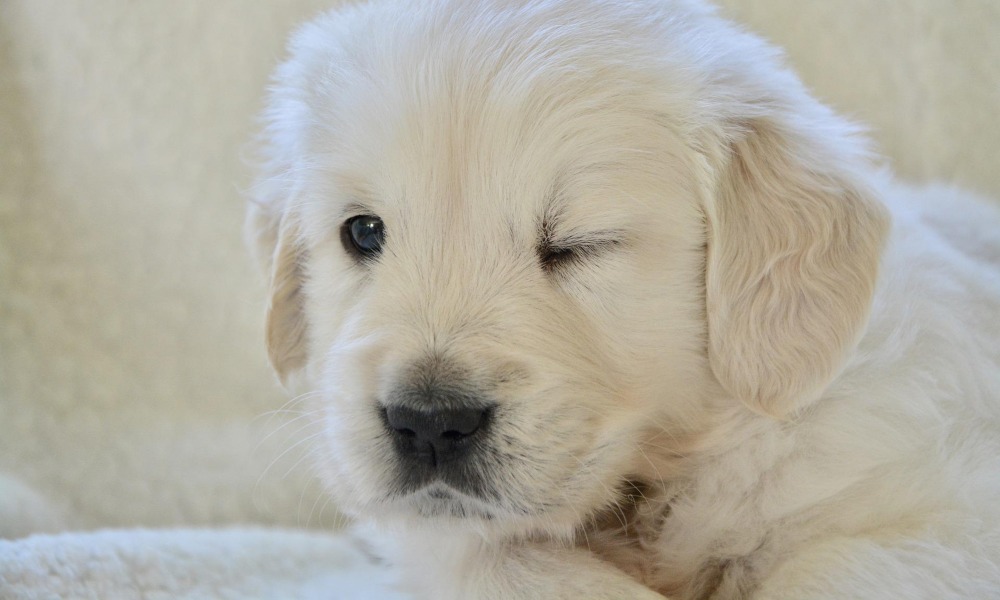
{"x":597,"y":302}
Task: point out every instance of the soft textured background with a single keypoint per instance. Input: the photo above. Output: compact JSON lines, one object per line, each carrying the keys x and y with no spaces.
{"x":132,"y":371}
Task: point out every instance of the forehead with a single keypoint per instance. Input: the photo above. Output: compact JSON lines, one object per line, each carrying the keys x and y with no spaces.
{"x":484,"y":130}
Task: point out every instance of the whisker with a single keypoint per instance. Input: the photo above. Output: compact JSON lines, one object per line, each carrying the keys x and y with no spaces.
{"x":305,"y":455}
{"x":297,"y":444}
{"x":300,"y":416}
{"x":325,"y":498}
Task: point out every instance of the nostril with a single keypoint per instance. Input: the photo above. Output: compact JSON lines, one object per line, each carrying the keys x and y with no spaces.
{"x":399,"y":420}
{"x":454,"y":436}
{"x":406,"y":432}
{"x":462,"y":423}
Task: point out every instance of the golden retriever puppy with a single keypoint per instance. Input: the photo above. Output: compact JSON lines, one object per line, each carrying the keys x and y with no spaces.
{"x":595,"y":301}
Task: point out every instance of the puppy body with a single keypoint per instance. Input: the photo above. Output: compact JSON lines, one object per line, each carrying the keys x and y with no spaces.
{"x":715,"y":369}
{"x":886,"y":485}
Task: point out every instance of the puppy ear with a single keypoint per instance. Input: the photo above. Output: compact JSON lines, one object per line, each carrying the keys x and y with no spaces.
{"x":286,"y":324}
{"x":276,"y":241}
{"x":794,"y":239}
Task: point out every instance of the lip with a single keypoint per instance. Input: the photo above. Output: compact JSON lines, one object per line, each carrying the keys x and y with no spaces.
{"x":439,"y":493}
{"x":438,"y":499}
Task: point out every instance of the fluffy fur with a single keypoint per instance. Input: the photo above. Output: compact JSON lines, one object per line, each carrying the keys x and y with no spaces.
{"x":744,"y":383}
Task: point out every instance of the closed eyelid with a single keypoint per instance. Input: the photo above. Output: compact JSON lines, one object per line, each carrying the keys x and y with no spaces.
{"x":585,"y":240}
{"x":556,"y":250}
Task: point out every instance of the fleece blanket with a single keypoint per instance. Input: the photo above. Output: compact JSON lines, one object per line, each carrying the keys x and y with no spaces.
{"x":190,"y":564}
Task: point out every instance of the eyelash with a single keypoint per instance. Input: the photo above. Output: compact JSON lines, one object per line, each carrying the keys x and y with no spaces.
{"x":553,"y":256}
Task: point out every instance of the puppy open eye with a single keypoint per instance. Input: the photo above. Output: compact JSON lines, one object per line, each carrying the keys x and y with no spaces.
{"x":363,"y":236}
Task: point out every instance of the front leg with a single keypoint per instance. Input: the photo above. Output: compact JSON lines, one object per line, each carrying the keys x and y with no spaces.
{"x":454,"y":566}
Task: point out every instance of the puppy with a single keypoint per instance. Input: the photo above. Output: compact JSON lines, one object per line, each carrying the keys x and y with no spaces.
{"x":595,"y":301}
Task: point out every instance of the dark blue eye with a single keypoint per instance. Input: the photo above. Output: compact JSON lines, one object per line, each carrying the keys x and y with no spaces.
{"x":363,"y":235}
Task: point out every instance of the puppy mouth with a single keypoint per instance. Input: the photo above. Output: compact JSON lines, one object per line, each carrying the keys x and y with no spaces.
{"x":454,"y":489}
{"x":440,"y":500}
{"x":444,"y":481}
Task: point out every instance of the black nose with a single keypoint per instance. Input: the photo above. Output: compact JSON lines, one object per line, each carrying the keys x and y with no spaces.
{"x":437,"y":435}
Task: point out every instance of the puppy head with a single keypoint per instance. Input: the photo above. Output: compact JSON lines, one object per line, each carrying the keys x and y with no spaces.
{"x":509,"y":243}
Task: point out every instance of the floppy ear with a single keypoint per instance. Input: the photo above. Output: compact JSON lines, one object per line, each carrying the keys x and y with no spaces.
{"x":276,"y":241}
{"x":794,"y":239}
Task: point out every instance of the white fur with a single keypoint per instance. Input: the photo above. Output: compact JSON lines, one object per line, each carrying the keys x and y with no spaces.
{"x":809,"y":396}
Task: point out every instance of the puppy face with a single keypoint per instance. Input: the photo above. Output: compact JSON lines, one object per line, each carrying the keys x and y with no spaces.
{"x":522,"y":254}
{"x":491,"y":232}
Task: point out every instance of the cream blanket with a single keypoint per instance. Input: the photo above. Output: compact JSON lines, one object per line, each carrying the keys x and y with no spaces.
{"x":191,"y":564}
